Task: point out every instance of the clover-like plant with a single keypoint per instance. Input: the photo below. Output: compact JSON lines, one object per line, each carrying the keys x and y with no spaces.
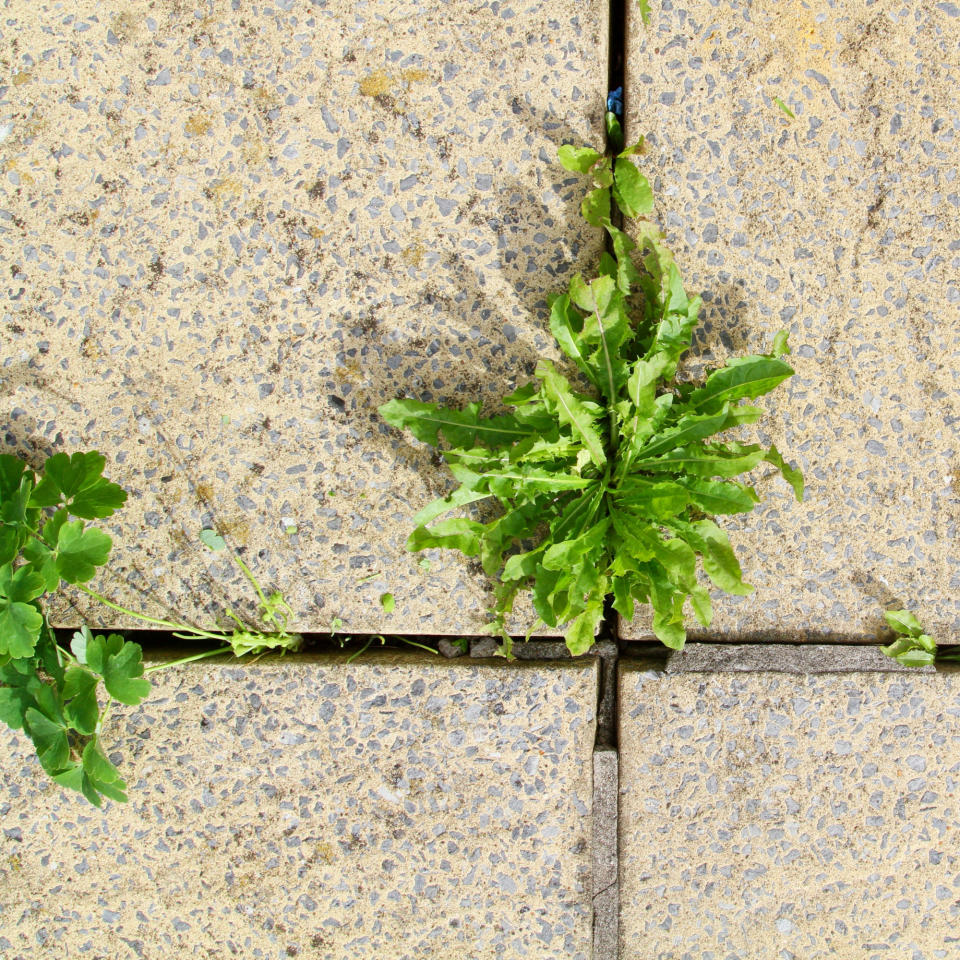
{"x":53,"y":693}
{"x":609,"y":485}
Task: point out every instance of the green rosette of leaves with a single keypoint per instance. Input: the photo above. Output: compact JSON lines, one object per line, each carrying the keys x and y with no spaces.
{"x":48,"y":692}
{"x":616,"y":480}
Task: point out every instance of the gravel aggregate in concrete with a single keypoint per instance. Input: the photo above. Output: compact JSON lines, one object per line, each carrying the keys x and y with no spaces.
{"x":230,"y":231}
{"x":838,"y":224}
{"x":399,"y":806}
{"x":765,"y":814}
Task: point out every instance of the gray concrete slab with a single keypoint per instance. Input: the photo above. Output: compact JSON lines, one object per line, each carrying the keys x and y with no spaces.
{"x":229,"y":233}
{"x":839,"y":224}
{"x":400,"y":806}
{"x":771,"y":814}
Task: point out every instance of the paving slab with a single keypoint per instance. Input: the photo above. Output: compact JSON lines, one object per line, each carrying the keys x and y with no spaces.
{"x":839,"y":224}
{"x":400,"y":806}
{"x":230,"y":231}
{"x":799,"y":812}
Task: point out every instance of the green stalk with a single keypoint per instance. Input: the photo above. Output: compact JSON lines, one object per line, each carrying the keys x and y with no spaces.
{"x":190,"y":659}
{"x":195,"y":631}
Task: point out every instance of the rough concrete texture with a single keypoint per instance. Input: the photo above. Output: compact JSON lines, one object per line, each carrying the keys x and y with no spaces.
{"x":606,"y":888}
{"x":779,"y":658}
{"x":838,"y":224}
{"x":402,"y":806}
{"x":796,"y":817}
{"x":230,"y":231}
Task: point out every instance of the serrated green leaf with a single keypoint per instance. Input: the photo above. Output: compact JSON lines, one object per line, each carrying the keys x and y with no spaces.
{"x":596,"y":207}
{"x":614,"y":130}
{"x":566,"y":324}
{"x":702,"y":607}
{"x":80,"y":551}
{"x":608,"y":326}
{"x":456,"y":498}
{"x":78,"y":643}
{"x":748,"y":377}
{"x":791,"y":474}
{"x":622,"y":597}
{"x":903,"y":621}
{"x":669,"y":630}
{"x":720,"y":496}
{"x":12,"y":470}
{"x":20,"y":621}
{"x":577,"y":159}
{"x":21,"y":585}
{"x":652,"y":498}
{"x":916,"y":658}
{"x":14,"y":702}
{"x":688,"y":429}
{"x":627,"y":275}
{"x":50,"y":739}
{"x":720,"y":563}
{"x":76,"y":483}
{"x":119,"y":662}
{"x":98,"y":767}
{"x":581,"y":633}
{"x":461,"y":428}
{"x":72,"y":779}
{"x":644,"y":6}
{"x":516,"y":480}
{"x":123,"y":674}
{"x":631,"y":189}
{"x":456,"y":534}
{"x":11,"y":540}
{"x":567,"y":554}
{"x":82,"y":709}
{"x":781,"y":345}
{"x":706,"y":460}
{"x":572,"y":411}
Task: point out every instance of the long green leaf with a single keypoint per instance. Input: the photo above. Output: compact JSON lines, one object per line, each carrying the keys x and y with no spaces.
{"x":582,"y":631}
{"x":749,"y":377}
{"x":461,"y":428}
{"x":703,"y":460}
{"x":719,"y":561}
{"x":457,"y":534}
{"x":457,"y":498}
{"x":572,"y":411}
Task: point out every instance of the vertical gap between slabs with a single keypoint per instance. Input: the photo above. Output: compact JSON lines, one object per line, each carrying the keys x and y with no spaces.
{"x":606,"y":780}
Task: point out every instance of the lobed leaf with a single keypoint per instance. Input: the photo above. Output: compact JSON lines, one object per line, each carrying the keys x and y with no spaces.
{"x":76,"y":482}
{"x":80,"y":551}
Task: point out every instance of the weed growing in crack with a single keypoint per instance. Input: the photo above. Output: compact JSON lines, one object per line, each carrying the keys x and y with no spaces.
{"x":617,"y":486}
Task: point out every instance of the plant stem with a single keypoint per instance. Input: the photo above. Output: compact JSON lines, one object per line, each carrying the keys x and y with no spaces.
{"x":200,"y":634}
{"x":190,"y":659}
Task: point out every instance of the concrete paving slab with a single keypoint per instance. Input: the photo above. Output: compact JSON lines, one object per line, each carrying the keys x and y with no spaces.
{"x":400,"y":806}
{"x":839,"y":224}
{"x":764,"y":814}
{"x":231,"y":231}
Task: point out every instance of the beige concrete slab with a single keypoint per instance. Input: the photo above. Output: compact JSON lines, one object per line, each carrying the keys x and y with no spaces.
{"x":396,"y":807}
{"x":839,"y":224}
{"x":230,"y":231}
{"x":787,"y":814}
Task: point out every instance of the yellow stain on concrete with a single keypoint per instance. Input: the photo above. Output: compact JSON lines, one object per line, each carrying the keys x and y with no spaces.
{"x":198,"y":124}
{"x":415,"y":75}
{"x":224,"y":190}
{"x":375,"y":84}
